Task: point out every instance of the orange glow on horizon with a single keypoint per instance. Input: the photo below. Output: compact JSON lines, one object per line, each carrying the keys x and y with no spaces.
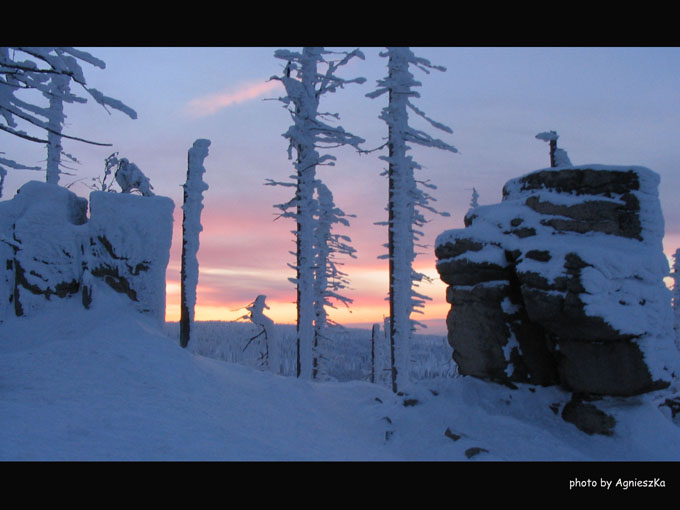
{"x":368,"y":291}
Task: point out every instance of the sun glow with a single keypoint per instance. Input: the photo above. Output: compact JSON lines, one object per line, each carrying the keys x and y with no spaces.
{"x":369,"y":289}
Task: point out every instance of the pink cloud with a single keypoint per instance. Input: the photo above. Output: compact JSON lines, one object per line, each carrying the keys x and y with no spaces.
{"x":212,"y":103}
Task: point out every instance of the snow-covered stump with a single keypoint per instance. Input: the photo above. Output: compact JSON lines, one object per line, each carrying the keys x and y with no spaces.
{"x":272,"y":356}
{"x":676,"y":295}
{"x":191,"y":229}
{"x":42,"y":231}
{"x":579,"y":252}
{"x":129,"y":247}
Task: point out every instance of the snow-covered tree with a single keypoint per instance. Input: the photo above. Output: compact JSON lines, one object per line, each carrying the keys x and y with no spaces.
{"x":474,"y":201}
{"x":558,"y":156}
{"x":50,"y":71}
{"x":329,"y":280}
{"x":407,"y":200}
{"x":191,"y":229}
{"x":676,"y":292}
{"x":307,"y":76}
{"x":270,"y":355}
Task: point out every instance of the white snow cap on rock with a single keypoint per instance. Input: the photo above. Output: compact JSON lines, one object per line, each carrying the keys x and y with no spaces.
{"x":140,"y":230}
{"x":623,"y":277}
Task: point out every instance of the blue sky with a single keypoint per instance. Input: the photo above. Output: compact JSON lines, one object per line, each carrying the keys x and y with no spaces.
{"x":609,"y":105}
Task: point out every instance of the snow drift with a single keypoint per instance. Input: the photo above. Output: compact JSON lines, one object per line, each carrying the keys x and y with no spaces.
{"x":108,"y":384}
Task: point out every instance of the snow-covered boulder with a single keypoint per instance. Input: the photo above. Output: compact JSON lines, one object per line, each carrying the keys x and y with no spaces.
{"x":41,"y":232}
{"x":49,"y":249}
{"x":562,"y":282}
{"x":129,"y":246}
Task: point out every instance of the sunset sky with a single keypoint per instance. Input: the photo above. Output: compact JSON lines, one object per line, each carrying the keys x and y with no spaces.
{"x":616,"y":106}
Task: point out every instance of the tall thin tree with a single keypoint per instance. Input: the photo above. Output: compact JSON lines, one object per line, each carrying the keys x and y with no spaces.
{"x":676,"y":294}
{"x":307,"y":76}
{"x":191,"y":229}
{"x":406,"y":200}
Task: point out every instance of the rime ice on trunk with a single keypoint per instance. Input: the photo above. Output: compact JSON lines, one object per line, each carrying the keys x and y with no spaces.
{"x":405,"y":200}
{"x":56,"y":124}
{"x":676,"y":295}
{"x":328,"y":278}
{"x":400,"y":241}
{"x":306,"y":170}
{"x":191,"y":229}
{"x":305,"y":84}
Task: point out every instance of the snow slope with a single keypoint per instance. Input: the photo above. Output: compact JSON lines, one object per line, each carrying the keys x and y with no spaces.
{"x":109,"y":384}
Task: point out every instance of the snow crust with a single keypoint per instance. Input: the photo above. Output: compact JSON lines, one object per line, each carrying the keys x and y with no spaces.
{"x":108,"y":384}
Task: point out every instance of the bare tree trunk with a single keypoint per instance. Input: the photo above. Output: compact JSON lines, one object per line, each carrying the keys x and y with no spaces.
{"x":185,"y":315}
{"x":553,"y":147}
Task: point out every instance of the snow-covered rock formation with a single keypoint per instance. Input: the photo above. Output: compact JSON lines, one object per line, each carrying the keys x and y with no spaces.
{"x":41,"y":233}
{"x":129,"y":246}
{"x":562,"y":283}
{"x":49,"y":249}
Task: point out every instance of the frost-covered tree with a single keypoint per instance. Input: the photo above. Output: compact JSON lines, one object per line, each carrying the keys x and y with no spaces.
{"x":474,"y":201}
{"x":558,"y":156}
{"x":307,"y":76}
{"x":50,"y":71}
{"x":329,"y":280}
{"x":271,"y":356}
{"x":407,"y":200}
{"x":59,"y":87}
{"x":676,"y":292}
{"x":191,"y":229}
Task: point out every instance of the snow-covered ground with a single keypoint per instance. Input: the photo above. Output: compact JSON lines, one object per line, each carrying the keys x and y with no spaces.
{"x":111,"y":384}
